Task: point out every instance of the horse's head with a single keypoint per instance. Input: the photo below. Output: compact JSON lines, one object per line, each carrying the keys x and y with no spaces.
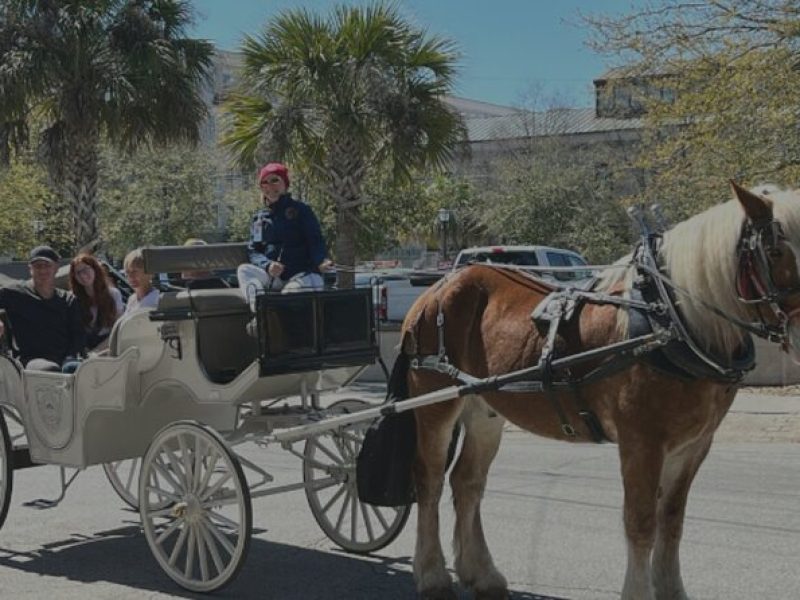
{"x":768,"y":276}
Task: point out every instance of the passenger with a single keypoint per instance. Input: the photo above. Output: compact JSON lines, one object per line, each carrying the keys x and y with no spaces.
{"x":46,"y":321}
{"x":145,"y":296}
{"x":201,"y":280}
{"x":286,"y":248}
{"x":100,"y":302}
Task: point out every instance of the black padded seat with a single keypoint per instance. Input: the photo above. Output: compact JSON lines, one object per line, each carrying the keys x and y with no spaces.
{"x":224,"y":348}
{"x":203,"y":302}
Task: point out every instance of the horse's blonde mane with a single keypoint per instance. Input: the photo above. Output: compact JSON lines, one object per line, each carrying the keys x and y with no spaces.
{"x":700,"y":256}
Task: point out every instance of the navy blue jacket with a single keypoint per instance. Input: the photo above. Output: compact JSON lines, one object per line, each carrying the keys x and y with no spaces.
{"x":287,"y":232}
{"x":44,"y":328}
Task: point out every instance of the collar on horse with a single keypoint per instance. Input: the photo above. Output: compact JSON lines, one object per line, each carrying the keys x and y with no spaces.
{"x":681,"y":356}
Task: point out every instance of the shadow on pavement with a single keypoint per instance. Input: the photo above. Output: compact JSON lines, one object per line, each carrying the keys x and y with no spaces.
{"x":271,"y":570}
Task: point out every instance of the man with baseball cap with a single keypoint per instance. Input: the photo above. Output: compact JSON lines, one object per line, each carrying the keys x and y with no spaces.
{"x":287,"y":252}
{"x":46,"y":321}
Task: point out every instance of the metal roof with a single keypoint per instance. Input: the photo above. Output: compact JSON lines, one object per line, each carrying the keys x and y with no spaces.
{"x":565,"y":121}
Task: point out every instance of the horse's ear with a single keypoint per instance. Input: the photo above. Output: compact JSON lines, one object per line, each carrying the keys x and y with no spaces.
{"x":757,"y":208}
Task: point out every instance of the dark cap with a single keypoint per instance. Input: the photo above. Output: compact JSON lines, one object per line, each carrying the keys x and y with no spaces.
{"x":44,"y":253}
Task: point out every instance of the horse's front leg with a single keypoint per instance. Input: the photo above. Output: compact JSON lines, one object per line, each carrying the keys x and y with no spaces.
{"x":434,"y":429}
{"x":676,"y":479}
{"x":473,"y":561}
{"x":641,"y":470}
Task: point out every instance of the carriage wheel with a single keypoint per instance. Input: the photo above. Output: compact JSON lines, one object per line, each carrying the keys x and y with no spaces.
{"x":329,"y":471}
{"x":6,"y":469}
{"x":195,"y":506}
{"x":123,"y":475}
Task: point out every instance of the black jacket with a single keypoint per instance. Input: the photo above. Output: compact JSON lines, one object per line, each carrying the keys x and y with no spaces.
{"x":44,"y":328}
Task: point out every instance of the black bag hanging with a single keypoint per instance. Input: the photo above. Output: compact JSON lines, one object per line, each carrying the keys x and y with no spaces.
{"x":384,"y":468}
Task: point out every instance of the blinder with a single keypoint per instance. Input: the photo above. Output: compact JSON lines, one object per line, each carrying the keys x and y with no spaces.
{"x":754,"y":281}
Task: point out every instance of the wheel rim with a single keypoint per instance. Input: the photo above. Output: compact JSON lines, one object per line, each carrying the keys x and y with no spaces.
{"x":329,"y":471}
{"x":6,"y":469}
{"x":123,"y":475}
{"x":195,"y":507}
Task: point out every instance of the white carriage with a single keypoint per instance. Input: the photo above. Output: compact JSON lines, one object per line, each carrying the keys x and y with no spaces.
{"x":179,"y":388}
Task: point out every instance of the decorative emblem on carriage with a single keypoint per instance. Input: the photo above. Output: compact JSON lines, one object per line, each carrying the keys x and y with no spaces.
{"x":51,"y":409}
{"x":50,"y":403}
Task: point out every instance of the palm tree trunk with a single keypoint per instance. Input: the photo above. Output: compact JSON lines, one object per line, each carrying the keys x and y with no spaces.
{"x":80,"y":172}
{"x":346,"y":174}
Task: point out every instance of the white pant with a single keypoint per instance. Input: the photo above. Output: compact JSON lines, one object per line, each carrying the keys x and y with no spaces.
{"x":253,"y":280}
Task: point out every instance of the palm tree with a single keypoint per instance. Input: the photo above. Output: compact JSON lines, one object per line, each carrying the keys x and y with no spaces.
{"x":342,"y":95}
{"x":76,"y":70}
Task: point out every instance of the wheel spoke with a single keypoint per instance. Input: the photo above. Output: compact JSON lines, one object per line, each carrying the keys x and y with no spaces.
{"x":224,"y":521}
{"x":173,"y":557}
{"x":214,"y":539}
{"x":324,"y":450}
{"x":379,"y":515}
{"x":175,"y":464}
{"x":201,"y":555}
{"x":226,"y":500}
{"x":168,"y":530}
{"x":335,"y":497}
{"x":131,"y":473}
{"x":190,"y":546}
{"x":222,"y":481}
{"x":163,"y":470}
{"x":343,"y":512}
{"x":164,"y":494}
{"x":221,"y":538}
{"x":322,"y":484}
{"x":353,"y":515}
{"x":209,"y":472}
{"x":198,"y":464}
{"x":367,"y":522}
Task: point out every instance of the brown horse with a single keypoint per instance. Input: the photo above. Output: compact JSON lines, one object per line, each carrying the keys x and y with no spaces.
{"x":663,"y":424}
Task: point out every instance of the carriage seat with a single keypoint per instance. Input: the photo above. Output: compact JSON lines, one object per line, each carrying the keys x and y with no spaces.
{"x":224,"y":348}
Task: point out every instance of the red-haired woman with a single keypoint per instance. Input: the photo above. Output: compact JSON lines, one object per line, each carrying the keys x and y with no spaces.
{"x":100,"y":302}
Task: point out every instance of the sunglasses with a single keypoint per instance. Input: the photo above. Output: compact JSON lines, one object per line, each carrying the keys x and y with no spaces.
{"x":271,"y":180}
{"x":83,"y":271}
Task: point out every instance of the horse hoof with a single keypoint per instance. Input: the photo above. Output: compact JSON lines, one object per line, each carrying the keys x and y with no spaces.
{"x":492,"y":594}
{"x":446,"y":593}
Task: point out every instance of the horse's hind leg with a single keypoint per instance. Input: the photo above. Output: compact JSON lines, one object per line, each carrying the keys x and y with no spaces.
{"x":473,"y":562}
{"x":434,"y":430}
{"x":676,"y":479}
{"x":641,"y":470}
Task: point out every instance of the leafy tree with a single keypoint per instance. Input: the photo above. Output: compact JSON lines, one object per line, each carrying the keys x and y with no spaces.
{"x":27,"y":216}
{"x":82,"y":70}
{"x":729,"y":70}
{"x":339,"y":97}
{"x":552,"y":193}
{"x":157,"y":197}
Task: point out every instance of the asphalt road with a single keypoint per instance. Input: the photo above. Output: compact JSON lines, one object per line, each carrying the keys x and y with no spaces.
{"x":551,"y":511}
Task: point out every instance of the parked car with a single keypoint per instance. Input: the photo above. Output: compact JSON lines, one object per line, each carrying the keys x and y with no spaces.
{"x":528,"y":256}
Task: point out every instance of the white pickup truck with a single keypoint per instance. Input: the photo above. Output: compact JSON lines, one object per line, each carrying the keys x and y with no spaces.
{"x":395,"y":296}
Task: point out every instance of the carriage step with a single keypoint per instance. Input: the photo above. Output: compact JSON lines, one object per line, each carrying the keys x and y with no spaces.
{"x":21,"y":459}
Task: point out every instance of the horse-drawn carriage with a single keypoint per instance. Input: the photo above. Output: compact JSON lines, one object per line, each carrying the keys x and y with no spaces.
{"x":179,"y":387}
{"x":648,"y":358}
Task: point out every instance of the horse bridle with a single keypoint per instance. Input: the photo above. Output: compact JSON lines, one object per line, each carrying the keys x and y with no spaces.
{"x":755,"y":284}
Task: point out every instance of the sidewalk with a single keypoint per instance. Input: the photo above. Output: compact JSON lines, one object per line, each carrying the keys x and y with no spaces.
{"x":761,"y":417}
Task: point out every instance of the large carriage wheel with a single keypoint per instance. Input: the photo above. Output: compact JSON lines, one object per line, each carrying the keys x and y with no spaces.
{"x":6,"y":468}
{"x":329,"y":471}
{"x":123,"y":475}
{"x":195,"y":506}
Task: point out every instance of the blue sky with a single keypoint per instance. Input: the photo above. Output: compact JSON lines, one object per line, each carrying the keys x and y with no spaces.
{"x":513,"y":51}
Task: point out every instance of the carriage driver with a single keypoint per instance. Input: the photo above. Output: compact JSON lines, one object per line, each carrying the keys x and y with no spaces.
{"x":46,"y":321}
{"x":286,"y":248}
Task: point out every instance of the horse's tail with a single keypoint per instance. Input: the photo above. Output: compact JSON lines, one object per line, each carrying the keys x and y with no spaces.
{"x":397,"y":388}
